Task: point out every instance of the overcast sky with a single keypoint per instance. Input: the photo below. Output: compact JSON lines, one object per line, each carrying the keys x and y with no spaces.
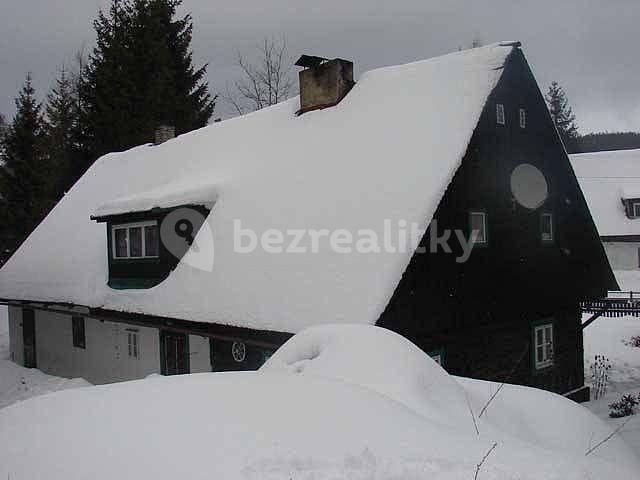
{"x":589,"y":47}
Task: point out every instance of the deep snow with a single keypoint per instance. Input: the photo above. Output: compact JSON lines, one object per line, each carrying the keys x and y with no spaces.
{"x":313,"y":412}
{"x":19,"y":383}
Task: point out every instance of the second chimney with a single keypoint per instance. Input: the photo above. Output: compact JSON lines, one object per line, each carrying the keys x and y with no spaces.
{"x":323,"y":83}
{"x":164,"y":133}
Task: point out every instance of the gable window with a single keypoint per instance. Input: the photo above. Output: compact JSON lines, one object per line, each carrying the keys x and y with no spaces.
{"x":438,"y":356}
{"x":543,"y":345}
{"x":478,"y":227}
{"x":500,"y":118}
{"x":77,"y":328}
{"x":135,"y":240}
{"x":546,"y":227}
{"x":523,"y":118}
{"x":132,"y":342}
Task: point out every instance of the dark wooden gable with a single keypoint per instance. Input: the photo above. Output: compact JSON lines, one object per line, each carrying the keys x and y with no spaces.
{"x":480,"y":311}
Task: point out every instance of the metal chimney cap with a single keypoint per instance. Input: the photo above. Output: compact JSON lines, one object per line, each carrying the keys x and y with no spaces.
{"x":310,"y":61}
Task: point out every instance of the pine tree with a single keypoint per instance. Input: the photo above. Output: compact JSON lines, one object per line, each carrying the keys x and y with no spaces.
{"x":141,"y":75}
{"x":62,"y":146}
{"x":563,"y":117}
{"x":25,"y":174}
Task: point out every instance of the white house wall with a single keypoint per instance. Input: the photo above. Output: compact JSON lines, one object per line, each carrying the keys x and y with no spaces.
{"x":623,"y":255}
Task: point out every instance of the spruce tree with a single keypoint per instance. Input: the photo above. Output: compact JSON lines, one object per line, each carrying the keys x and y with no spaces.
{"x":563,"y":117}
{"x":25,"y":176}
{"x":62,"y":146}
{"x":141,"y":75}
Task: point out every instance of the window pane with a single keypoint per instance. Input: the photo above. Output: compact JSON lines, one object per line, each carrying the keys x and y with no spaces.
{"x":478,"y":226}
{"x":547,"y":335}
{"x":539,"y":355}
{"x":523,"y":118}
{"x":121,"y":242}
{"x":547,"y":232}
{"x":500,"y":114}
{"x":151,"y":241}
{"x":135,"y":241}
{"x":539,"y":337}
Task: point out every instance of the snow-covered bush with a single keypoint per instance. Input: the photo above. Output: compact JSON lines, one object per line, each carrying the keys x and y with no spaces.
{"x":624,"y":407}
{"x":600,"y":376}
{"x":634,"y":342}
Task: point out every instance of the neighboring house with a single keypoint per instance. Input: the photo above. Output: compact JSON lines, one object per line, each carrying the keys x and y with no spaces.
{"x":611,"y":185}
{"x":116,"y":283}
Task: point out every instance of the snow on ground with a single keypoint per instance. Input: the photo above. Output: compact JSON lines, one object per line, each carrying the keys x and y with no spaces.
{"x":609,"y":337}
{"x":339,"y":402}
{"x":19,"y":383}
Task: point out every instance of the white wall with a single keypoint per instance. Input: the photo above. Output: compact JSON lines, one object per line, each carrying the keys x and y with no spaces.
{"x":106,"y":356}
{"x":622,"y":255}
{"x":104,"y":360}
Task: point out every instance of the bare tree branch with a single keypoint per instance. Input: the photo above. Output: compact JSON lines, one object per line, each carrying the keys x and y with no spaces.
{"x":263,"y":84}
{"x":608,"y":437}
{"x":479,"y":466}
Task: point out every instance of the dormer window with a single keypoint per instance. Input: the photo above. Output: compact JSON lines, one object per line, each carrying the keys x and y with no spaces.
{"x":135,"y":240}
{"x":631,"y":207}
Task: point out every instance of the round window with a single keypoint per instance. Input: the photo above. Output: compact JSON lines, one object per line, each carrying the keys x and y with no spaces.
{"x":239,"y":351}
{"x":528,"y":186}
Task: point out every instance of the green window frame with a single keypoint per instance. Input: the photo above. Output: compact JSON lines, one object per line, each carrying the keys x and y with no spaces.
{"x":78,"y":332}
{"x":542,"y":345}
{"x":481,"y":216}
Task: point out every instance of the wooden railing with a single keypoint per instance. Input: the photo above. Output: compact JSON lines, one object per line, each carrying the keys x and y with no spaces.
{"x":616,"y":304}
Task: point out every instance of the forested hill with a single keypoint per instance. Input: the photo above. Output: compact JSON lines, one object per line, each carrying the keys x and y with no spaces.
{"x":598,"y":142}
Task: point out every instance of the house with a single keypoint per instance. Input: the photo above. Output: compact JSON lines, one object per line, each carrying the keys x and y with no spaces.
{"x":611,"y":184}
{"x":434,"y":199}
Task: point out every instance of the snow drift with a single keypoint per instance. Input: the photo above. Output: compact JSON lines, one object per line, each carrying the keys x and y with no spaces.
{"x":339,"y":402}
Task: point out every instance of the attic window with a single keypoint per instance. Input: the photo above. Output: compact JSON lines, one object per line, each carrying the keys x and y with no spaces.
{"x":523,"y":118}
{"x":546,"y":227}
{"x":135,"y":240}
{"x":478,"y":226}
{"x":543,"y":345}
{"x":500,"y":118}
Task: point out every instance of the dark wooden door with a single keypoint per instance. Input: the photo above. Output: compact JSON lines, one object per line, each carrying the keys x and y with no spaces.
{"x":174,"y":353}
{"x":29,"y":338}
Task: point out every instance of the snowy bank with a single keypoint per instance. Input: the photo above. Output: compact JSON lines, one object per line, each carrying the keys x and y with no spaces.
{"x":348,"y":402}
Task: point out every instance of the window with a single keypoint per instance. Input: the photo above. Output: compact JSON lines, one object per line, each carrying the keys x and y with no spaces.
{"x":636,"y":209}
{"x":478,"y":227}
{"x":546,"y":224}
{"x":77,"y":328}
{"x":135,"y":240}
{"x":543,"y":345}
{"x":523,"y":118}
{"x":132,"y":341}
{"x":438,"y":357}
{"x":500,"y":114}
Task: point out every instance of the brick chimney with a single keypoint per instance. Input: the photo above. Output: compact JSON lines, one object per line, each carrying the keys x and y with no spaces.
{"x":323,"y":83}
{"x":164,"y":133}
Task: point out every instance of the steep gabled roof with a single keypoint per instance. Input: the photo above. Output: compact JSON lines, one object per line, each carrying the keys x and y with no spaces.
{"x":606,"y":178}
{"x":387,"y":152}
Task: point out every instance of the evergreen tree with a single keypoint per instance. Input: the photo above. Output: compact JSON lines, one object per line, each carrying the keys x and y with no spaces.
{"x":141,"y":75}
{"x":61,"y":131}
{"x":563,"y":117}
{"x":25,"y":174}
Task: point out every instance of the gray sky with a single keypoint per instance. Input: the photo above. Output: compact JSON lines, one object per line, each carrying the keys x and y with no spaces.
{"x":590,"y":47}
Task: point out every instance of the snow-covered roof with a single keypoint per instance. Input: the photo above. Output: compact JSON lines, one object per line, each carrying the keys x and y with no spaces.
{"x":388,"y":151}
{"x":606,"y":178}
{"x":173,"y":194}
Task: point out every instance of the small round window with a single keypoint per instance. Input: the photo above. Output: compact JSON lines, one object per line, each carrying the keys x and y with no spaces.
{"x":528,"y":186}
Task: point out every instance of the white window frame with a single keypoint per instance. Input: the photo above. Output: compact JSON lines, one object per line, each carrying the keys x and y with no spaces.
{"x":484,"y":227}
{"x":542,"y":232}
{"x":127,"y":226}
{"x":523,"y":118}
{"x":635,"y":209}
{"x":500,"y":115}
{"x":546,"y":345}
{"x":133,"y":344}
